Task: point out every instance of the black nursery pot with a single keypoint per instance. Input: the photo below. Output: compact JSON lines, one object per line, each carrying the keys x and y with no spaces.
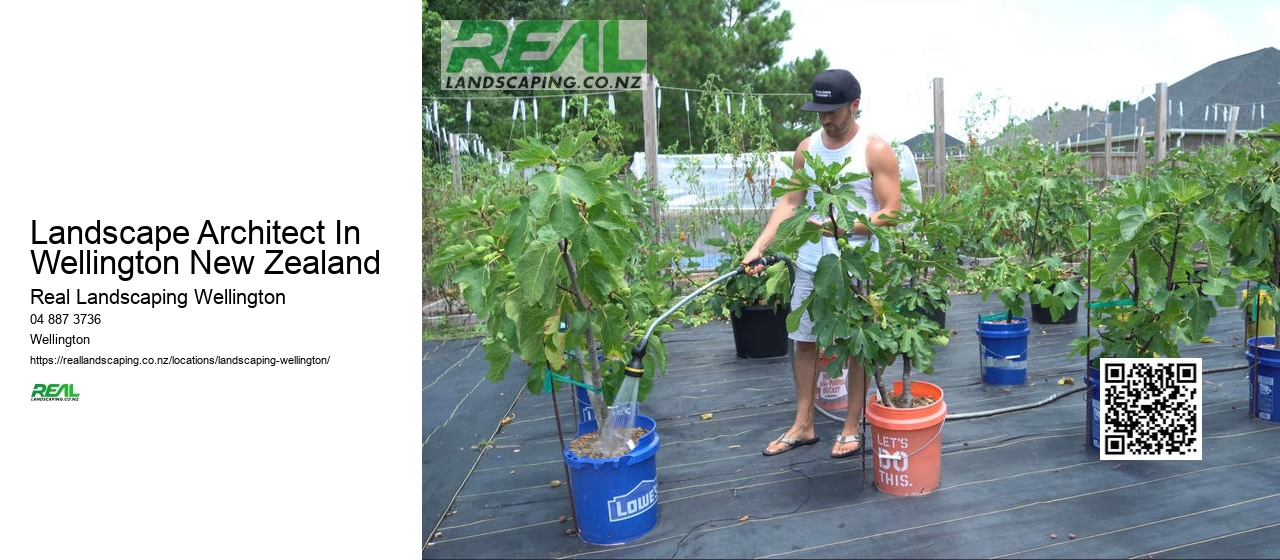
{"x":1069,"y":316}
{"x":938,"y":316}
{"x":761,"y":332}
{"x":1041,"y":315}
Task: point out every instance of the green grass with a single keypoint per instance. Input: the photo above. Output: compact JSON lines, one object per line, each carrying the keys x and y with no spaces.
{"x":444,"y":330}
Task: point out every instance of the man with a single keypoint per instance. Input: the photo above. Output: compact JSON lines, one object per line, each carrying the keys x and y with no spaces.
{"x":836,"y":98}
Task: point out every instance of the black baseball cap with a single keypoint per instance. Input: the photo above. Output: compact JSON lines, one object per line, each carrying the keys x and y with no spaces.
{"x":833,"y":89}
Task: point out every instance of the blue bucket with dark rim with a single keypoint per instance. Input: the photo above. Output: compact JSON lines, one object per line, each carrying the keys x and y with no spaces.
{"x":616,"y":499}
{"x":583,"y":400}
{"x":1002,"y":349}
{"x":1094,"y":396}
{"x":1264,"y":375}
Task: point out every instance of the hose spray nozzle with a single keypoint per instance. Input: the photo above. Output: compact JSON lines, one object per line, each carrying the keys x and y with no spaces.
{"x":635,"y":368}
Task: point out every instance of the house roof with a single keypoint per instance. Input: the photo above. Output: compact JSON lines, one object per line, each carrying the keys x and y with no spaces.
{"x":918,"y":143}
{"x":1196,"y":103}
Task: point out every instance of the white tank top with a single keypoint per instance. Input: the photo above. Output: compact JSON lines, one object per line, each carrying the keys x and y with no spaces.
{"x":856,"y":150}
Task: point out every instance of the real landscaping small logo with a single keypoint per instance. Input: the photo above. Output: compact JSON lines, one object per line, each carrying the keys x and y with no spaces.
{"x":54,"y":392}
{"x":542,"y":54}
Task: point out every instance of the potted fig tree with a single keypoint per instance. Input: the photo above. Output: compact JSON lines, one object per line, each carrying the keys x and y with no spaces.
{"x":1032,"y":203}
{"x":1056,"y":236}
{"x":741,"y":147}
{"x":1146,"y":248}
{"x":994,"y":254}
{"x":872,"y":311}
{"x":587,"y":284}
{"x":1253,"y":196}
{"x":756,"y":305}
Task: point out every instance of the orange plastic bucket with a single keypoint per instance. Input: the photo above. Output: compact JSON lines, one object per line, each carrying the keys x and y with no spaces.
{"x":832,"y":394}
{"x":908,"y":442}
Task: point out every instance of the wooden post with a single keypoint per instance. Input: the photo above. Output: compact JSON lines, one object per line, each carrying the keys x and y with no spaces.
{"x":939,"y":139}
{"x":453,"y":159}
{"x":1162,"y":121}
{"x":651,"y":145}
{"x":1140,"y":145}
{"x":1106,"y":158}
{"x":1232,"y":111}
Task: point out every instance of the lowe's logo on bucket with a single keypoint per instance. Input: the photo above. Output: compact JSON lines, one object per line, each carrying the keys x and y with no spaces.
{"x":635,"y":502}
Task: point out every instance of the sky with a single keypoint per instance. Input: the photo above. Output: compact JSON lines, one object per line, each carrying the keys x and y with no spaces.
{"x":1002,"y":58}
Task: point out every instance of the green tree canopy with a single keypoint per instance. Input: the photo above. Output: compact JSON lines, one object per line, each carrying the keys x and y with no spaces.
{"x":688,"y":40}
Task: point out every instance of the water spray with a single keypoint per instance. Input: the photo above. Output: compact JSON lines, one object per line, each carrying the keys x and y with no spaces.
{"x":615,"y":438}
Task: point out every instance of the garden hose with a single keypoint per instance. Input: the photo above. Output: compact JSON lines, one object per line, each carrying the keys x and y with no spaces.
{"x":993,"y":412}
{"x":635,"y":367}
{"x":1049,"y":399}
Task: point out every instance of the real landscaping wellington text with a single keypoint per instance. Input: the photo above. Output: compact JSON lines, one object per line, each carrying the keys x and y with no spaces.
{"x":73,"y":258}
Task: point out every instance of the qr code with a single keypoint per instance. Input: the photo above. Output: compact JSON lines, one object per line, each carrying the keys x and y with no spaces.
{"x":1150,"y":409}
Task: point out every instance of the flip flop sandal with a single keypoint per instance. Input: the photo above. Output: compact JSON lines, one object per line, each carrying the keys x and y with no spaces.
{"x":790,"y":443}
{"x":844,"y":440}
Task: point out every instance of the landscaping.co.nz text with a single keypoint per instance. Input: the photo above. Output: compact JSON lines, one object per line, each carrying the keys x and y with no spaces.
{"x":526,"y":81}
{"x":181,"y":360}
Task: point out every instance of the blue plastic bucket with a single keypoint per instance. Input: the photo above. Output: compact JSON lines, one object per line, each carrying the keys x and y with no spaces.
{"x":583,"y":400}
{"x":616,"y":499}
{"x":1094,"y":396}
{"x":1002,"y":351}
{"x":1264,"y":377}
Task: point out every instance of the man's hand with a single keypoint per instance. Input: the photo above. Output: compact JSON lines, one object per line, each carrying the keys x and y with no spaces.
{"x":752,"y":256}
{"x":828,"y":228}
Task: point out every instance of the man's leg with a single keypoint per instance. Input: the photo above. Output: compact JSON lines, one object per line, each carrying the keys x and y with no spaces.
{"x":804,"y":366}
{"x":857,"y":383}
{"x":804,"y":370}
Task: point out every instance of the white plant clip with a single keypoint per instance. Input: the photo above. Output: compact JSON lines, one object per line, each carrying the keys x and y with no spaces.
{"x":895,"y":456}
